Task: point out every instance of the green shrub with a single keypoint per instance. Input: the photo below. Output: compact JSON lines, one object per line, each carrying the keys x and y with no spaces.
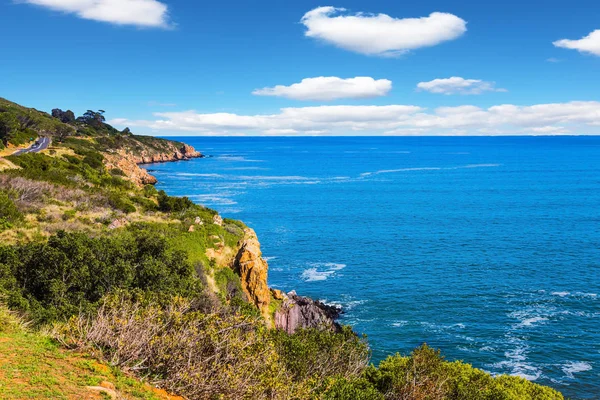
{"x":117,"y":172}
{"x":426,"y":375}
{"x":93,"y":159}
{"x":312,"y":355}
{"x":73,"y":271}
{"x":350,"y":389}
{"x":69,"y":215}
{"x":150,"y":191}
{"x":121,"y":202}
{"x":9,"y":213}
{"x":173,"y":204}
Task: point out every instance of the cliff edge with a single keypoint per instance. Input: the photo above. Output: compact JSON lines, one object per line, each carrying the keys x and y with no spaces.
{"x":253,"y":271}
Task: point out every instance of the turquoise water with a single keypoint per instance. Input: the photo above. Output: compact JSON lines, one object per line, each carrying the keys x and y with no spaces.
{"x":487,"y":248}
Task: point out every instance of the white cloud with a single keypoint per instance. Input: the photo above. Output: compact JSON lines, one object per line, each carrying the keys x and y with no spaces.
{"x":326,"y":88}
{"x":142,"y":13}
{"x":380,"y":34}
{"x":458,"y":85}
{"x":580,"y":117}
{"x":588,"y":44}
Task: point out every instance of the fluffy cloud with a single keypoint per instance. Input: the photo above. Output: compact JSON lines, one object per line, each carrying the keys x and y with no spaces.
{"x":380,"y":34}
{"x":326,"y":88}
{"x":580,"y":117}
{"x":142,"y":13}
{"x":588,"y":44}
{"x":458,"y":85}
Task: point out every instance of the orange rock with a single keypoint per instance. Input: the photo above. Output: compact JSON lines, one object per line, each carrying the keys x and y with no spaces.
{"x":253,"y":271}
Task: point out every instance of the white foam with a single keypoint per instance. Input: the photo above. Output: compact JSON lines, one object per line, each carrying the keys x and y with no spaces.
{"x":480,"y":166}
{"x":399,"y":324}
{"x":321,"y":271}
{"x":560,"y":294}
{"x":390,"y":171}
{"x":517,"y":364}
{"x":199,"y":175}
{"x":314,"y":275}
{"x":237,"y":158}
{"x":573,"y":367}
{"x":531,"y":321}
{"x":269,"y":258}
{"x":247,"y":169}
{"x":589,"y":295}
{"x":212,"y":199}
{"x":334,"y":266}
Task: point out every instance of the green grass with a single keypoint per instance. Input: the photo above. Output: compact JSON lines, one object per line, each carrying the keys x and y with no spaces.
{"x":33,"y":366}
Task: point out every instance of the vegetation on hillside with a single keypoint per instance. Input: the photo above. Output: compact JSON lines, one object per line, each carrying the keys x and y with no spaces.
{"x":142,"y":281}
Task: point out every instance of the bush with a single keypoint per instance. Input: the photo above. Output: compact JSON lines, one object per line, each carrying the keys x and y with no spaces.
{"x":313,"y":355}
{"x":121,"y":202}
{"x":150,"y":191}
{"x":69,"y":214}
{"x":72,"y":272}
{"x":425,"y":375}
{"x":93,"y":159}
{"x":117,"y":172}
{"x":9,"y":213}
{"x":173,"y":204}
{"x":197,"y":355}
{"x":350,"y":389}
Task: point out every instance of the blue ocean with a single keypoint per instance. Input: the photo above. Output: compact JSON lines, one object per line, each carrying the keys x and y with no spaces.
{"x":487,"y":248}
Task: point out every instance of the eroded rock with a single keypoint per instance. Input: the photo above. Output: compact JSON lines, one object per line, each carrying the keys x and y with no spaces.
{"x":298,"y":312}
{"x":253,"y":270}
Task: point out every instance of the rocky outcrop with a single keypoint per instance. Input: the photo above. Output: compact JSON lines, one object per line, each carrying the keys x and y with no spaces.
{"x":298,"y":312}
{"x":128,"y":161}
{"x":128,"y":164}
{"x":253,"y":269}
{"x":175,"y":154}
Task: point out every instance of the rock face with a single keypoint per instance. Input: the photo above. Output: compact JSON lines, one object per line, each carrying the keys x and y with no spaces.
{"x":253,"y":269}
{"x":298,"y":312}
{"x":218,"y":220}
{"x":128,"y":162}
{"x":175,"y":154}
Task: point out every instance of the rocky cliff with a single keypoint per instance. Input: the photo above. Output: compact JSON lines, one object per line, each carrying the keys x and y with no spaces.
{"x":253,"y":271}
{"x":297,"y":312}
{"x":128,"y":160}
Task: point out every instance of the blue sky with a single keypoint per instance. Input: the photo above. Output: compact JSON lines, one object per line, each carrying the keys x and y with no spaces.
{"x":174,"y":67}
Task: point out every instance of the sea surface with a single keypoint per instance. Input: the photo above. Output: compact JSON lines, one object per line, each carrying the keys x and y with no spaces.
{"x":487,"y":248}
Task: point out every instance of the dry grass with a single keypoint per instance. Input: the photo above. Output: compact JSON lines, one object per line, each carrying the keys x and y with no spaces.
{"x":33,"y":366}
{"x":6,"y":165}
{"x":201,"y":356}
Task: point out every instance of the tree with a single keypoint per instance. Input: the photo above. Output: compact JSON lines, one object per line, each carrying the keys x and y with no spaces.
{"x":64,"y":116}
{"x":93,"y":118}
{"x":8,"y":124}
{"x":63,"y":131}
{"x":126,"y":131}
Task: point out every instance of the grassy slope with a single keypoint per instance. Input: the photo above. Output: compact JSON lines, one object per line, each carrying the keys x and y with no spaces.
{"x":33,"y":366}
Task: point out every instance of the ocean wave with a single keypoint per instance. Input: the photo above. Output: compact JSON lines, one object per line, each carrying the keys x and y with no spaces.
{"x":237,"y":158}
{"x":314,"y":275}
{"x":267,"y":259}
{"x":516,"y":363}
{"x":217,"y":199}
{"x":321,"y":271}
{"x":246,"y":169}
{"x":573,"y":367}
{"x":560,"y":294}
{"x":390,"y":171}
{"x":179,"y":174}
{"x":531,"y":322}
